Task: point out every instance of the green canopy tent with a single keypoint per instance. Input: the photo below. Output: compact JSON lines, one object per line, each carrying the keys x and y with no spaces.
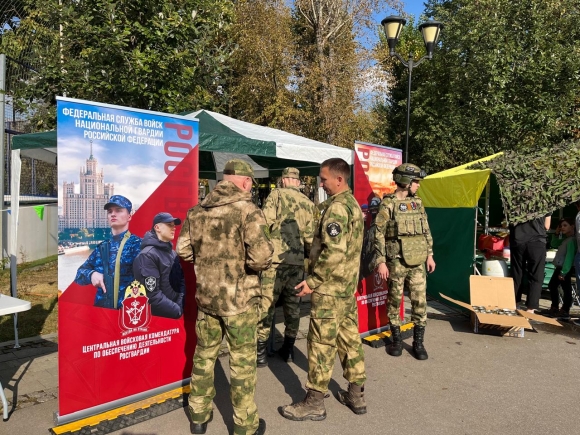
{"x":268,"y":150}
{"x":40,"y":146}
{"x":451,"y":199}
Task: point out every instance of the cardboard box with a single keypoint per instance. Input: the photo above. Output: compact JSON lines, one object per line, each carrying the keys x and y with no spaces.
{"x":501,"y":331}
{"x":497,"y":293}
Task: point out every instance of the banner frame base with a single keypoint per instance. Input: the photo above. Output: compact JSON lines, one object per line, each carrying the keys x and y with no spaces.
{"x":132,"y":410}
{"x":376,"y":338}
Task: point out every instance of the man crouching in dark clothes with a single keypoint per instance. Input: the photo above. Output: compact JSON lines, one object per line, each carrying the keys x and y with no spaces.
{"x":157,"y":268}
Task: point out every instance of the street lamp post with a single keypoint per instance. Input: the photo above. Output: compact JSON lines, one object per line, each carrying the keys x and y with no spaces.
{"x":430,"y":31}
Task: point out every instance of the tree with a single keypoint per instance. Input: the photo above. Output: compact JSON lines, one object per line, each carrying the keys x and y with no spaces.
{"x":260,"y":84}
{"x":505,"y":76}
{"x":165,"y":55}
{"x":330,"y":67}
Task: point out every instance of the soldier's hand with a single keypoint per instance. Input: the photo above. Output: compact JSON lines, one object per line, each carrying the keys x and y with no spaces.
{"x":305,"y":289}
{"x":98,"y":281}
{"x":430,"y":264}
{"x":383,"y":271}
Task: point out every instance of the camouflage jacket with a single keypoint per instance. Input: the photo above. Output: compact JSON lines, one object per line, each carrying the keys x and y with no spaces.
{"x":226,"y":237}
{"x":336,"y":248}
{"x":95,"y":264}
{"x":397,"y":220}
{"x":290,"y":217}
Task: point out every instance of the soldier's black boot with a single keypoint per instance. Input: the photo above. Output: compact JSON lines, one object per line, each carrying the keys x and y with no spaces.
{"x":354,"y":398}
{"x":418,"y":349}
{"x":261,"y":427}
{"x":262,"y":357}
{"x":200,"y":428}
{"x":287,"y":349}
{"x":396,"y":347}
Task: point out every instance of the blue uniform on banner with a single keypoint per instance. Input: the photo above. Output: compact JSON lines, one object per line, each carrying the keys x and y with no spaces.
{"x":95,"y":264}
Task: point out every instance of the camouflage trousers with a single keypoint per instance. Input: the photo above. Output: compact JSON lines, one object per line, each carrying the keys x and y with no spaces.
{"x":277,"y":281}
{"x":334,"y":328}
{"x":416,"y":280}
{"x":240,"y":333}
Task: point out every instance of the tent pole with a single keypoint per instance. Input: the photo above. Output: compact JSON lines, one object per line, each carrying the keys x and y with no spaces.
{"x":487,"y":193}
{"x":16,"y":164}
{"x":2,"y":140}
{"x":475,"y":271}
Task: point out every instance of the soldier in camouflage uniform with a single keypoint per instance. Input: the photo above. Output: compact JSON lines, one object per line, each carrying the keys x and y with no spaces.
{"x":333,"y":280}
{"x":290,"y":217}
{"x":403,"y":246}
{"x":226,"y":237}
{"x":113,"y":276}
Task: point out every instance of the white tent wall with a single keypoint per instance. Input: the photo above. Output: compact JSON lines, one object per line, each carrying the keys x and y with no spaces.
{"x":35,"y":238}
{"x":220,"y":160}
{"x":28,"y":238}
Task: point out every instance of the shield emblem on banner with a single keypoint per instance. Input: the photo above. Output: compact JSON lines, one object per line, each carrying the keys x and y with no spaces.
{"x":135,"y":313}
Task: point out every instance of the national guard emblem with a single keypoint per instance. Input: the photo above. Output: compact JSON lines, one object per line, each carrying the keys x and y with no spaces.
{"x":378,"y":281}
{"x":333,"y":229}
{"x":403,"y":206}
{"x":150,"y":283}
{"x":135,"y":312}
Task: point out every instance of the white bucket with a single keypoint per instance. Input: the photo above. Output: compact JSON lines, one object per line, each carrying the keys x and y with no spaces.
{"x":506,"y":253}
{"x":494,"y":267}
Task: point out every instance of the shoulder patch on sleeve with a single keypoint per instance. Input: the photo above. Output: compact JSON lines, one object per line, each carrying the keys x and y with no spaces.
{"x":333,"y":229}
{"x":150,"y":283}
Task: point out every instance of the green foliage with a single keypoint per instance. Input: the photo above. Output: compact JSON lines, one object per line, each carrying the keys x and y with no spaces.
{"x":535,"y":184}
{"x":259,"y":85}
{"x":505,"y":76}
{"x":160,"y":55}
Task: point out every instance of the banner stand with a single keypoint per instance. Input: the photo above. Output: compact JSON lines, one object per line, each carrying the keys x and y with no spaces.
{"x":373,"y":178}
{"x":382,"y":337}
{"x":116,"y":404}
{"x":122,"y":413}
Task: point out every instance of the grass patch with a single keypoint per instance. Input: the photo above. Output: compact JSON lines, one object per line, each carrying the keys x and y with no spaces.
{"x":37,"y":283}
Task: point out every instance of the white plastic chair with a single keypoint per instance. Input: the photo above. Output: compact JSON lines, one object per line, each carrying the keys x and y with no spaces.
{"x":10,"y":305}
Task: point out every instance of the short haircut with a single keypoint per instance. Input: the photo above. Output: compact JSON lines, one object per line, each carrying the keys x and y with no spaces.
{"x":570,"y":220}
{"x":338,"y":167}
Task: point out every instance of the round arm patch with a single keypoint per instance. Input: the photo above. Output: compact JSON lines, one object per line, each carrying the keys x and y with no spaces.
{"x":333,"y":229}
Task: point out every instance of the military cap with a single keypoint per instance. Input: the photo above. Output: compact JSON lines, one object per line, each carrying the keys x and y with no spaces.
{"x":165,"y":218}
{"x":239,"y":167}
{"x":119,"y":201}
{"x":291,"y":173}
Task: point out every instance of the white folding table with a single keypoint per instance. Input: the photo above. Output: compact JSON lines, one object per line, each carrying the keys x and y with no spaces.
{"x":10,"y":305}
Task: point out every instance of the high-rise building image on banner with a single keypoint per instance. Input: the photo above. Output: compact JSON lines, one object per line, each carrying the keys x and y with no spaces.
{"x":85,"y":208}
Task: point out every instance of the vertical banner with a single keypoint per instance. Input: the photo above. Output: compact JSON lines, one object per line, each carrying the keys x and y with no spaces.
{"x":138,"y":163}
{"x":373,"y":178}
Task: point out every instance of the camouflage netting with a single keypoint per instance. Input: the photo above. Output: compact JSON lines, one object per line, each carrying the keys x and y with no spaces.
{"x":535,"y":184}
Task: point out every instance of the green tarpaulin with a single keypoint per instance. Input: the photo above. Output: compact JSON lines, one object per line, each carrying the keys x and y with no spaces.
{"x":40,"y":146}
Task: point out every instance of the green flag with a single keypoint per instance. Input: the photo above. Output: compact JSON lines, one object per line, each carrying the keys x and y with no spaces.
{"x":39,"y":209}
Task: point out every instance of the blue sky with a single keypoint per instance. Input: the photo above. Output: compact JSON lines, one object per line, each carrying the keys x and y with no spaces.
{"x":414,"y":7}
